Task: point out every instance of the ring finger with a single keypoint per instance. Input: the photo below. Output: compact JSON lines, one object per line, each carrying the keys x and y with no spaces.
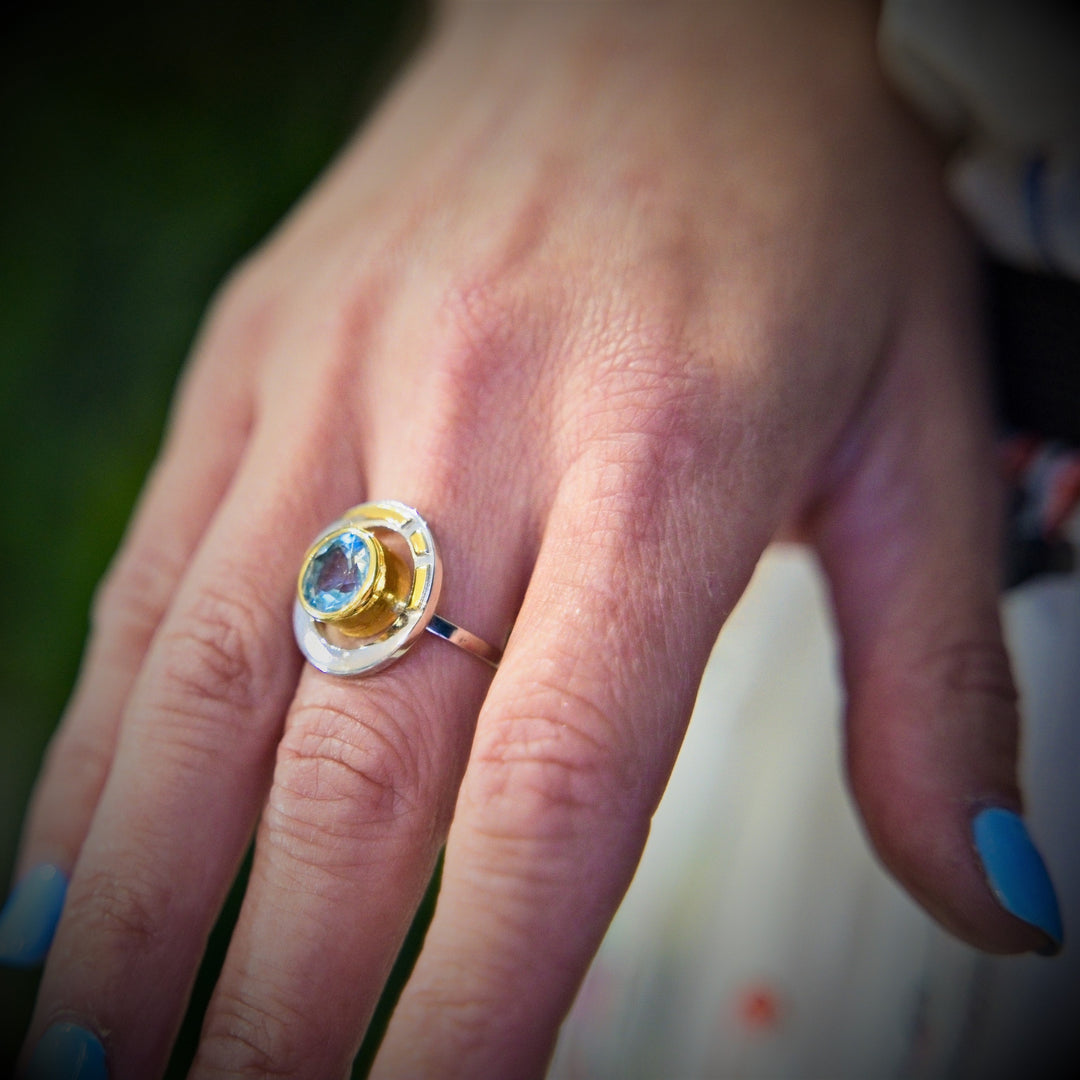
{"x":361,"y":801}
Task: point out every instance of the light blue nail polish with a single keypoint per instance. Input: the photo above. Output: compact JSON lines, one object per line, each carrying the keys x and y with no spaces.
{"x":1016,"y":871}
{"x":67,"y":1052}
{"x":29,"y":918}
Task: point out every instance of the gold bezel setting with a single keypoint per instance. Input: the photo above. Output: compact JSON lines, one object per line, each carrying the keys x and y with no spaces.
{"x":360,"y":593}
{"x":391,"y":607}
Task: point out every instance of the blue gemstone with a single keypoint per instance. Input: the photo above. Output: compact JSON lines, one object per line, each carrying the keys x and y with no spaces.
{"x":336,"y":574}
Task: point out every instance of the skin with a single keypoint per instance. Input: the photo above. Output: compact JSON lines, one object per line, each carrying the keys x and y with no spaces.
{"x":614,"y":295}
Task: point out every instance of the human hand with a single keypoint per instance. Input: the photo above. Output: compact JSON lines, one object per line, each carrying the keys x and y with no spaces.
{"x":611,"y":296}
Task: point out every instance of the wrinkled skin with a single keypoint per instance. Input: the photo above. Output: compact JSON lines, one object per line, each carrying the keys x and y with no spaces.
{"x":613,"y":294}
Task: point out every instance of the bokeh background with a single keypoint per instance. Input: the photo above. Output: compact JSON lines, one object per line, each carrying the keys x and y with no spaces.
{"x":146,"y":148}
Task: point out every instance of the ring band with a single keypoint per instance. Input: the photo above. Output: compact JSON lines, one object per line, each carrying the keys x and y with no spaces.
{"x":464,"y":639}
{"x":367,"y":589}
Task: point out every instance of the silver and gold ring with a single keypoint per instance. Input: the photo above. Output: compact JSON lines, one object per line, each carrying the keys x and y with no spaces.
{"x":367,"y":590}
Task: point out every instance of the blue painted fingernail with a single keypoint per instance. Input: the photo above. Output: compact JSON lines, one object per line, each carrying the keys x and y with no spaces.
{"x":29,"y":918}
{"x":1016,"y":872}
{"x":67,"y":1052}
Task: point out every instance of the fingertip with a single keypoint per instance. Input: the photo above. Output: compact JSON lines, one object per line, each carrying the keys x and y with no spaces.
{"x":1017,"y":874}
{"x":67,"y":1052}
{"x":30,"y":916}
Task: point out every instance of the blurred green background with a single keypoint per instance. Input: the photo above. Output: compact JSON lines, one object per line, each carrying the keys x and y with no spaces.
{"x":146,"y":148}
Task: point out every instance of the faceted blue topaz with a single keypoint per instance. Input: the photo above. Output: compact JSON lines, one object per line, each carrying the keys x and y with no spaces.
{"x":336,"y":574}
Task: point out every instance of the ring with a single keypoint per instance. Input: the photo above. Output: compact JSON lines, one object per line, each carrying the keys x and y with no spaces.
{"x":367,"y":590}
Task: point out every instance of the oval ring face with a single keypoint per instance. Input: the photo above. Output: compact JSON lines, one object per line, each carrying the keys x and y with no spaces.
{"x":417,"y":601}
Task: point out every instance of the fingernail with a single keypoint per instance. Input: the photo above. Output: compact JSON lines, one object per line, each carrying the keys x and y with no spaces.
{"x":29,"y":918}
{"x":1017,"y":874}
{"x":67,"y":1052}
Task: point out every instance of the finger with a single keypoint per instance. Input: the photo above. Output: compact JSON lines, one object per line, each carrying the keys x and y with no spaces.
{"x":910,"y":543}
{"x":572,"y":751}
{"x":193,"y":757}
{"x":206,"y":439}
{"x":361,"y":799}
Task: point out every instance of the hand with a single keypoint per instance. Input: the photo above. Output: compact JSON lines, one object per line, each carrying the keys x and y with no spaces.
{"x":611,"y":295}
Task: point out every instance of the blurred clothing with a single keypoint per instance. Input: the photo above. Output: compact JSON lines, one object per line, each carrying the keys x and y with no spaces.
{"x":1001,"y":80}
{"x":761,"y":939}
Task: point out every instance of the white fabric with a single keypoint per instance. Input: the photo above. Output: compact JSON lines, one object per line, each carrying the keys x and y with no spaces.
{"x":761,"y":939}
{"x":1001,"y":78}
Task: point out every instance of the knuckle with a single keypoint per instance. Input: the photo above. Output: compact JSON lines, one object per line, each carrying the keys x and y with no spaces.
{"x":554,"y":764}
{"x":130,"y":600}
{"x":645,"y":426}
{"x":642,"y":466}
{"x":246,"y":1037}
{"x":974,"y":699}
{"x":978,"y":667}
{"x":77,"y":760}
{"x":951,"y":705}
{"x":461,"y":1024}
{"x":131,"y":911}
{"x":971,"y":669}
{"x":646,"y":412}
{"x":489,"y":358}
{"x":344,"y":774}
{"x":498,"y":340}
{"x":215,"y":658}
{"x":479,"y":312}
